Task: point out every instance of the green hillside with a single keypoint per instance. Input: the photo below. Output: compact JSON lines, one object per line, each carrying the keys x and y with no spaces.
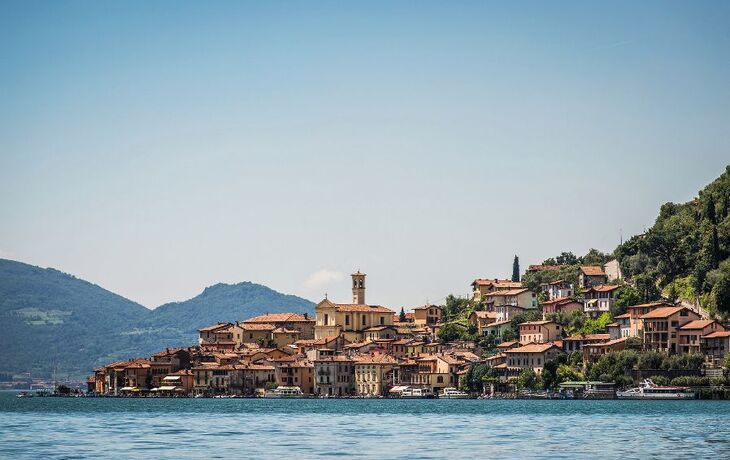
{"x":51,"y":319}
{"x":179,"y":321}
{"x":687,"y":250}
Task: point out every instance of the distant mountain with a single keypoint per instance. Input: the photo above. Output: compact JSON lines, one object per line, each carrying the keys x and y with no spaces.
{"x":52,"y":319}
{"x":221,"y":303}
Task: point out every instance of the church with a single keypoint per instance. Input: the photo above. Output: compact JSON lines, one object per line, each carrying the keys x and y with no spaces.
{"x":352,"y":320}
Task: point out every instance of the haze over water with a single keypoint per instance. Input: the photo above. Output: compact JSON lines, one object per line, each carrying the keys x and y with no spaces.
{"x":255,"y":428}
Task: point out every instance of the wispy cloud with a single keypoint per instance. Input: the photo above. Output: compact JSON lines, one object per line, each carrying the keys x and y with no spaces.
{"x":322,"y":278}
{"x":607,"y":46}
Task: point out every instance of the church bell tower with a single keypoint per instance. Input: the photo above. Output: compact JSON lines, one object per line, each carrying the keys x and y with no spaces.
{"x":358,"y":288}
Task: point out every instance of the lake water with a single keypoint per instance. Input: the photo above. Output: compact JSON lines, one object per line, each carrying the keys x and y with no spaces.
{"x":269,"y":428}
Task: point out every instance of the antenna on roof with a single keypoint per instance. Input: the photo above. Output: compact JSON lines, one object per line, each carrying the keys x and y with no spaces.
{"x":325,"y":296}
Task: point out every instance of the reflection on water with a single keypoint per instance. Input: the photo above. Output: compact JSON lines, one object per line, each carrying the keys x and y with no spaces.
{"x":234,"y":428}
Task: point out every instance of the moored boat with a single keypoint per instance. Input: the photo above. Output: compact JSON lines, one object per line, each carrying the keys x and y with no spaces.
{"x":649,"y":390}
{"x":417,"y":393}
{"x":285,"y":392}
{"x":453,"y":393}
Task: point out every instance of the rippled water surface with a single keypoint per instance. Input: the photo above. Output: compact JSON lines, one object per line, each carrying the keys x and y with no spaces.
{"x":268,"y":428}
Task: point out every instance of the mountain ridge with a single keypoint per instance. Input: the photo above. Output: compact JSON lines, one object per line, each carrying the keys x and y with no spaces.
{"x":42,"y":308}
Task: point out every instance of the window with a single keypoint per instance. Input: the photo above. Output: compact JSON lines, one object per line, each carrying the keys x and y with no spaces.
{"x":347,"y":320}
{"x":326,"y":319}
{"x":382,"y":320}
{"x":364,"y":320}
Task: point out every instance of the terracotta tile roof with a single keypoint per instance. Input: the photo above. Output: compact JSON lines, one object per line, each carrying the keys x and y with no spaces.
{"x":602,"y":288}
{"x":183,"y":372}
{"x":506,"y":292}
{"x":662,"y":312}
{"x":489,"y":282}
{"x":378,"y":358}
{"x":608,"y":343}
{"x":279,"y":318}
{"x":498,"y":323}
{"x":282,"y":330}
{"x":651,"y":304}
{"x":215,"y":327}
{"x":426,"y":307}
{"x":537,"y":323}
{"x":507,"y":344}
{"x":533,"y":348}
{"x":697,"y":324}
{"x":335,"y":358}
{"x":168,"y":352}
{"x":485,"y":314}
{"x":538,"y":268}
{"x":560,"y":301}
{"x":581,"y":337}
{"x":378,"y":328}
{"x":356,"y":345}
{"x":592,"y":270}
{"x":312,"y":342}
{"x":716,"y":334}
{"x":613,"y":325}
{"x":259,"y":367}
{"x":257,"y":326}
{"x":352,"y":307}
{"x":624,"y":316}
{"x":467,"y":355}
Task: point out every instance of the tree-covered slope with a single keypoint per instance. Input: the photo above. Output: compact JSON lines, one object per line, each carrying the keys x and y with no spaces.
{"x":222,"y":303}
{"x":49,"y":319}
{"x":687,"y":250}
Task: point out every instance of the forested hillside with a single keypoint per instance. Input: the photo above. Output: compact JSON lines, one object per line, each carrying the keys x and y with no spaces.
{"x":49,"y":319}
{"x":686,"y":252}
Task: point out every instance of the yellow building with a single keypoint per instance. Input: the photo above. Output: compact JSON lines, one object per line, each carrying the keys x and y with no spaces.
{"x":375,"y":374}
{"x":350,"y":319}
{"x":427,"y":315}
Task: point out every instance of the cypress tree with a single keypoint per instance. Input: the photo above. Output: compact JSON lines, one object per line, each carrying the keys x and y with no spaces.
{"x":402,"y":316}
{"x":714,"y":248}
{"x":710,"y":210}
{"x":516,"y":269}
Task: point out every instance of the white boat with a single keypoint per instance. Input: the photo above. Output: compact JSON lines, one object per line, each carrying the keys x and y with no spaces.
{"x":285,"y":392}
{"x":416,"y":393}
{"x":650,"y":390}
{"x":453,"y":393}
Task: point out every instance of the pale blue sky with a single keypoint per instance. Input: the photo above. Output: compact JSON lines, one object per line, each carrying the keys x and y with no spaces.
{"x":158,"y":147}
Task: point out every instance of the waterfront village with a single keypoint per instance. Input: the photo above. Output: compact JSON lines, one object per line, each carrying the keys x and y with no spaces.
{"x":509,"y":341}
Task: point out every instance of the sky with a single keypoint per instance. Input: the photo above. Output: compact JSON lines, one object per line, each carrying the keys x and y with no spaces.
{"x":156,"y":148}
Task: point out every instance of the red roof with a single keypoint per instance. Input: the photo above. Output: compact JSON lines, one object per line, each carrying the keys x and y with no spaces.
{"x":353,"y":307}
{"x":538,"y":268}
{"x":280,"y":318}
{"x":533,"y":348}
{"x":603,"y":288}
{"x":697,"y":324}
{"x":662,"y":312}
{"x":593,"y":270}
{"x":716,"y":334}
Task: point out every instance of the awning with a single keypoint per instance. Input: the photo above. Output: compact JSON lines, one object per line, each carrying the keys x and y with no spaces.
{"x":129,"y":389}
{"x":171,"y":378}
{"x":167,"y":388}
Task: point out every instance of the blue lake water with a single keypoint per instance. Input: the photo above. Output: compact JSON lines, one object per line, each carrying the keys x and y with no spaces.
{"x":268,"y":428}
